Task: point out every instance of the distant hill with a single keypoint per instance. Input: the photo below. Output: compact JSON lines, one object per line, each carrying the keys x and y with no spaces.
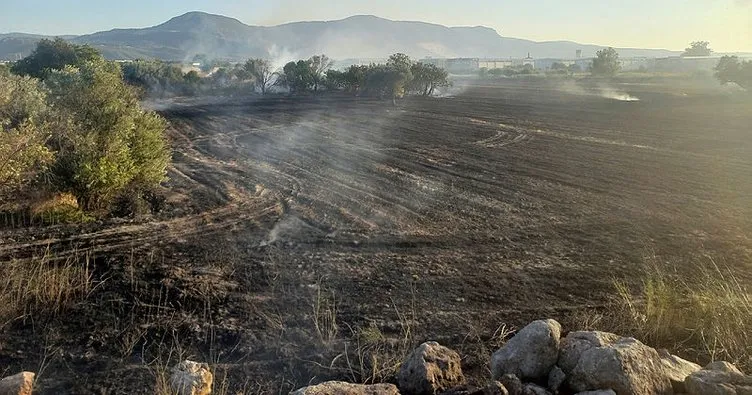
{"x":185,"y":36}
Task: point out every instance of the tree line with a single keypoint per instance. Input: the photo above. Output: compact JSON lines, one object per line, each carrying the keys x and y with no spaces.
{"x":71,"y":126}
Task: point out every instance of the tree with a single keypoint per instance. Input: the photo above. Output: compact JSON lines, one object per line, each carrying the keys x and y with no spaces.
{"x":24,"y":130}
{"x":297,"y":76}
{"x":319,"y":64}
{"x":155,"y":77}
{"x":260,"y":70}
{"x":111,"y":146}
{"x":606,"y":63}
{"x":54,"y":55}
{"x":574,"y":68}
{"x":427,"y":77}
{"x":698,"y":48}
{"x":731,"y":69}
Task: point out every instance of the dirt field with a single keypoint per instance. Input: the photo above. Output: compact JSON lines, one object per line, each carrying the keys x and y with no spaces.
{"x":305,"y":234}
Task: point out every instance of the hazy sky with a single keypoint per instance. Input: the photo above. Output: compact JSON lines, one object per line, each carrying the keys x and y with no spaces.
{"x":670,"y":24}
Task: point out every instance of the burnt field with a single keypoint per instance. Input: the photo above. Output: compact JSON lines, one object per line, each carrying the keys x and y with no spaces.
{"x":302,"y":236}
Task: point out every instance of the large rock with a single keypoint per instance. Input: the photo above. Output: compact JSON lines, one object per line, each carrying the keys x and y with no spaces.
{"x":677,"y":370}
{"x":576,"y":343}
{"x":718,"y":378}
{"x":430,"y":369}
{"x":18,"y":384}
{"x":598,"y":392}
{"x":191,"y":378}
{"x":534,"y":389}
{"x":341,"y":388}
{"x":530,"y":354}
{"x":627,"y":366}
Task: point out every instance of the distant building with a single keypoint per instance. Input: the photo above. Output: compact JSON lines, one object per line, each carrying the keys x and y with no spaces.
{"x":491,"y":64}
{"x":455,"y":65}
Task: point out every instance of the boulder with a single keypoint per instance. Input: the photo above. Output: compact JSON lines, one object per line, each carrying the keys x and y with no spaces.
{"x":191,"y":378}
{"x":430,"y":369}
{"x":627,"y":366}
{"x":341,"y":388}
{"x":534,"y":389}
{"x":18,"y":384}
{"x":494,"y":388}
{"x":598,"y":392}
{"x":718,"y":378}
{"x":677,"y":370}
{"x":556,"y":379}
{"x":530,"y":354}
{"x":576,"y":343}
{"x":512,"y":383}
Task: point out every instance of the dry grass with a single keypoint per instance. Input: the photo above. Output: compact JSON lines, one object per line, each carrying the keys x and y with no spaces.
{"x":325,"y":315}
{"x":43,"y":284}
{"x":705,"y":316}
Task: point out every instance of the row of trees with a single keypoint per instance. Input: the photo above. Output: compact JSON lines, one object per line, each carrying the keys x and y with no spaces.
{"x":70,"y":124}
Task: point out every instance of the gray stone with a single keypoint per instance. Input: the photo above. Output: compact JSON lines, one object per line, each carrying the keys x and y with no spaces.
{"x":534,"y":389}
{"x":18,"y":384}
{"x":430,"y":369}
{"x":677,"y":370}
{"x":341,"y":388}
{"x":556,"y":379}
{"x":512,"y":383}
{"x":191,"y":378}
{"x":575,"y":343}
{"x":530,"y":354}
{"x":627,"y":366}
{"x":598,"y":392}
{"x":718,"y":378}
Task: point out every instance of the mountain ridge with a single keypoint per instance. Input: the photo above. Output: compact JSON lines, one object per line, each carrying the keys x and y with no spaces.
{"x":183,"y":37}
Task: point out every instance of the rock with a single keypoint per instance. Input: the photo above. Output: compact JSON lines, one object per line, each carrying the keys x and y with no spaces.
{"x":512,"y":383}
{"x":430,"y":369}
{"x":576,"y":343}
{"x":494,"y":388}
{"x":599,"y":392}
{"x":191,"y":378}
{"x":530,"y":354}
{"x":18,"y":384}
{"x":534,"y":389}
{"x":556,"y":379}
{"x":627,"y":366}
{"x":341,"y":388}
{"x":718,"y":378}
{"x":677,"y":370}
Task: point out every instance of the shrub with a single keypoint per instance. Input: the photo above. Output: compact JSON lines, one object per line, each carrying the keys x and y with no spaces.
{"x":23,"y":132}
{"x":110,"y":144}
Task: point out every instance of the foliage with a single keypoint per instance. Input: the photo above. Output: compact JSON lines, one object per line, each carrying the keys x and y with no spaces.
{"x":260,"y":70}
{"x":24,"y":130}
{"x":698,"y":48}
{"x":159,"y":78}
{"x":731,"y":69}
{"x":52,"y":55}
{"x":109,"y":145}
{"x":319,"y":65}
{"x":297,"y":76}
{"x":427,"y":77}
{"x":606,"y":63}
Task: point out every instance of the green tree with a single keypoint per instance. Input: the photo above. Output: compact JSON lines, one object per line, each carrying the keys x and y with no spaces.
{"x":427,"y":77}
{"x":54,"y":55}
{"x":606,"y":63}
{"x":319,"y":65}
{"x":698,"y":48}
{"x":24,"y":130}
{"x":297,"y":76}
{"x":260,"y":70}
{"x":111,"y":146}
{"x":731,"y":69}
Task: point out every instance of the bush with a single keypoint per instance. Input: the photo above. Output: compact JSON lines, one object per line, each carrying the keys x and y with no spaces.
{"x":24,"y":130}
{"x":110,"y":144}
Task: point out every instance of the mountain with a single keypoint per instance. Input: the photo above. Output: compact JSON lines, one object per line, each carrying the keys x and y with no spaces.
{"x":364,"y":36}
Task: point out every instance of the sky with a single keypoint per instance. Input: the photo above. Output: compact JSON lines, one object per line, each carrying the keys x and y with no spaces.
{"x":669,"y":24}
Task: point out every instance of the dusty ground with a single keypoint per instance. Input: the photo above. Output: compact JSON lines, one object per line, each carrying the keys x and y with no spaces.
{"x":320,"y":238}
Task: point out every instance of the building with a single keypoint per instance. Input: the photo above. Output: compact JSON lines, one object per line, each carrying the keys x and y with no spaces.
{"x":492,"y":64}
